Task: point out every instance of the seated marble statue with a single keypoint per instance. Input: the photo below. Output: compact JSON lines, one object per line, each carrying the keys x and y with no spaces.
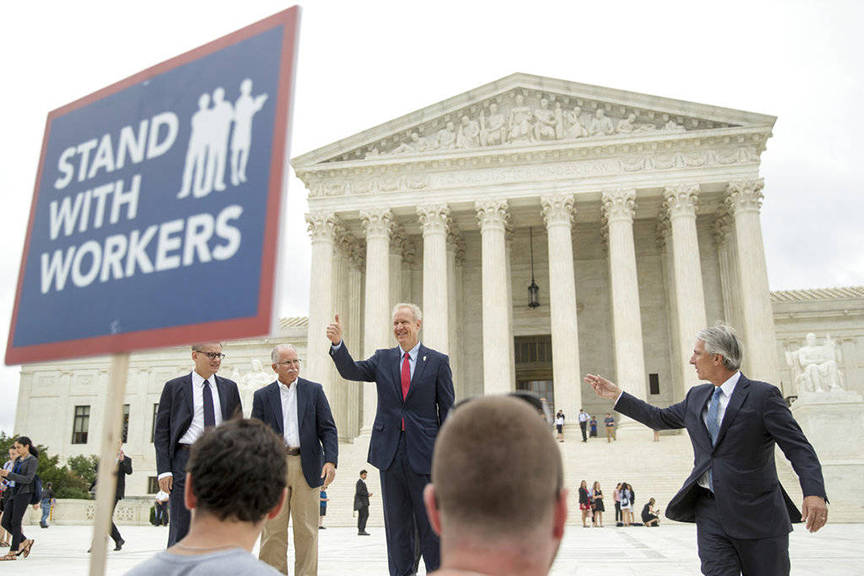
{"x":602,"y":124}
{"x":520,"y":121}
{"x":492,"y":129}
{"x":627,"y":125}
{"x":815,"y":366}
{"x":469,"y":134}
{"x":544,"y":122}
{"x":576,"y":128}
{"x":446,"y":138}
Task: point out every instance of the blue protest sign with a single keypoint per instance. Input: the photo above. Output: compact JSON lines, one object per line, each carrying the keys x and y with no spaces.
{"x":155,"y":216}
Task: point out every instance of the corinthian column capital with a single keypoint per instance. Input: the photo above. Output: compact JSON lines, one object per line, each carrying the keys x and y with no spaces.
{"x":744,"y":195}
{"x":681,"y":199}
{"x":322,"y":225}
{"x":377,"y":223}
{"x":435,"y":218}
{"x":492,"y":213}
{"x":619,"y":205}
{"x":557,"y":209}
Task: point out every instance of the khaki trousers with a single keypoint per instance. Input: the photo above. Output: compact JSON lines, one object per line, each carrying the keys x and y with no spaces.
{"x":302,"y":505}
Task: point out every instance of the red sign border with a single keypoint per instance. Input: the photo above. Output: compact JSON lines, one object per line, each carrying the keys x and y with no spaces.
{"x":248,"y":327}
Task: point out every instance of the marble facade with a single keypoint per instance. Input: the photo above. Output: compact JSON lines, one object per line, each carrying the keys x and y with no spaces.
{"x":644,"y":214}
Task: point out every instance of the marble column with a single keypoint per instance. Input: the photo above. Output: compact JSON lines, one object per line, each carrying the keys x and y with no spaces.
{"x":455,"y":257}
{"x":618,"y":210}
{"x":724,"y":237}
{"x":664,"y":244}
{"x":435,"y":221}
{"x":690,"y":295}
{"x":397,"y":242}
{"x":558,"y":215}
{"x":322,"y":230}
{"x":377,"y":225}
{"x":760,"y":346}
{"x":492,"y":216}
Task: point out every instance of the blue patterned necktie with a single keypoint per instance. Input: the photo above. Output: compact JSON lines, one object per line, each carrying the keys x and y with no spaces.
{"x":209,"y":411}
{"x":714,"y":425}
{"x":714,"y":415}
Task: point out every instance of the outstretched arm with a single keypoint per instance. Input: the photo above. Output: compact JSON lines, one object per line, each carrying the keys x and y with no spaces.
{"x":362,"y":371}
{"x":670,"y":418}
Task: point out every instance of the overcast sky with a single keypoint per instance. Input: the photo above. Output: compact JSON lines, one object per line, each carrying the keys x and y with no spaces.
{"x":363,"y":63}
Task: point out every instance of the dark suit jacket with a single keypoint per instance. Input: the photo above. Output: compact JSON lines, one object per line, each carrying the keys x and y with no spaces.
{"x":315,"y":422}
{"x":175,"y":413}
{"x":361,"y":495}
{"x":124,"y":467}
{"x":24,"y":478}
{"x":424,"y":409}
{"x":750,"y":500}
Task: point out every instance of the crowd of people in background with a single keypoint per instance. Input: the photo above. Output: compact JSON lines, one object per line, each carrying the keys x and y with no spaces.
{"x":591,"y":506}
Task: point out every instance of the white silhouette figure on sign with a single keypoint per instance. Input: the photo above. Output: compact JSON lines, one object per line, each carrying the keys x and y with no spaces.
{"x":207,"y":154}
{"x":245,"y":107}
{"x":221,"y":117}
{"x":196,"y":153}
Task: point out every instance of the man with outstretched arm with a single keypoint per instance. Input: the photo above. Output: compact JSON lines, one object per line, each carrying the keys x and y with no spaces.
{"x":743,"y":515}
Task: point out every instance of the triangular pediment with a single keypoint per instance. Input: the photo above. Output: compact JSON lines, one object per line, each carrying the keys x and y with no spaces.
{"x":521,"y":110}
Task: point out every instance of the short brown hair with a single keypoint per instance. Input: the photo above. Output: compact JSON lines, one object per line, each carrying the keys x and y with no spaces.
{"x":244,"y":487}
{"x":496,"y":467}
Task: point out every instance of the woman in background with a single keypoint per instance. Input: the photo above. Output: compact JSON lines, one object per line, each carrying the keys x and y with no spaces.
{"x":597,"y":504}
{"x":23,"y":473}
{"x":584,"y":503}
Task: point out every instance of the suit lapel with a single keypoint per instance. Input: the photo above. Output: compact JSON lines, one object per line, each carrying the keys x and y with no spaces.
{"x":742,"y":389}
{"x":188,"y":397}
{"x":223,"y":398}
{"x":419,"y":367}
{"x":275,"y":399}
{"x":302,"y":400}
{"x":701,"y":402}
{"x":397,"y":373}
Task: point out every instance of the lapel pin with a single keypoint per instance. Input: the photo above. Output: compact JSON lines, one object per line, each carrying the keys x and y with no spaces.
{"x":424,"y":358}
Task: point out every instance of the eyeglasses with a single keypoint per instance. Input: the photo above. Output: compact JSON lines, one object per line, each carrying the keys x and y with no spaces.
{"x":289,"y":363}
{"x":212,"y":355}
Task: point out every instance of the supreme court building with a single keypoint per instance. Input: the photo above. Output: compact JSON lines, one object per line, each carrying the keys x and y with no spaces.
{"x":547,"y":229}
{"x":636,"y":216}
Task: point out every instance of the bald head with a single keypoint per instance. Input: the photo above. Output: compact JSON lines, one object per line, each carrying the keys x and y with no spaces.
{"x":496,"y":469}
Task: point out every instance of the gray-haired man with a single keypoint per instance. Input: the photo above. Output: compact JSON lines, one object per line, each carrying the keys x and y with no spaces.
{"x":743,"y":516}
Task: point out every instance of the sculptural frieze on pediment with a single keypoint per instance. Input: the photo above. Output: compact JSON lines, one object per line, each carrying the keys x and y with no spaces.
{"x":524,"y":117}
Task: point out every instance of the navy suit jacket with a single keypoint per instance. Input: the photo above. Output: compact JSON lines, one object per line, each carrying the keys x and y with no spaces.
{"x":315,"y":422}
{"x":424,"y":409}
{"x":175,"y":413}
{"x":750,"y":500}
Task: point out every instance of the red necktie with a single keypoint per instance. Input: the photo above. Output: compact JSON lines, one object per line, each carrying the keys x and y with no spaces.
{"x":406,"y":379}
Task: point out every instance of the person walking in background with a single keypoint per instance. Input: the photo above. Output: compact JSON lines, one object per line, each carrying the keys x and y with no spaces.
{"x":5,"y":493}
{"x":584,"y":503}
{"x":583,"y":424}
{"x":161,"y":505}
{"x":124,"y":467}
{"x":597,"y":504}
{"x":616,"y":496}
{"x":559,"y":425}
{"x":650,"y":516}
{"x":46,"y":503}
{"x":593,"y":427}
{"x":610,"y":427}
{"x":361,"y":504}
{"x":322,"y":497}
{"x":23,"y":473}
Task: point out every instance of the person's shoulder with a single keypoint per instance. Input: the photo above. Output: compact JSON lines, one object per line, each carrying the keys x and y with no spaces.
{"x":264,"y":390}
{"x":310,"y":384}
{"x":179,"y":381}
{"x":226,"y":381}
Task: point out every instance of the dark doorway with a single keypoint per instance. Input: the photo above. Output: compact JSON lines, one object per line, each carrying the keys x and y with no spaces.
{"x":534,"y":366}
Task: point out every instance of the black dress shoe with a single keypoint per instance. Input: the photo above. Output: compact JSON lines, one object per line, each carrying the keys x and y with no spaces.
{"x":364,"y":533}
{"x":119,"y":545}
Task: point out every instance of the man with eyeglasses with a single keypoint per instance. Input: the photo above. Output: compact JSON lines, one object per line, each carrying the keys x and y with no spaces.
{"x":298,"y":411}
{"x":496,"y":523}
{"x":188,"y":405}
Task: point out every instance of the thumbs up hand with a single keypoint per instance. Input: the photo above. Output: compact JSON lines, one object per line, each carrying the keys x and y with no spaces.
{"x":334,"y":331}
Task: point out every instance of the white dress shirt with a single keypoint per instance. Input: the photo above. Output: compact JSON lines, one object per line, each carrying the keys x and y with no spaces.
{"x":196,"y":427}
{"x":290,"y":418}
{"x":723,"y":402}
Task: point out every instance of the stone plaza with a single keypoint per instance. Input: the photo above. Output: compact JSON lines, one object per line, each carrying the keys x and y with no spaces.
{"x":635,"y":551}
